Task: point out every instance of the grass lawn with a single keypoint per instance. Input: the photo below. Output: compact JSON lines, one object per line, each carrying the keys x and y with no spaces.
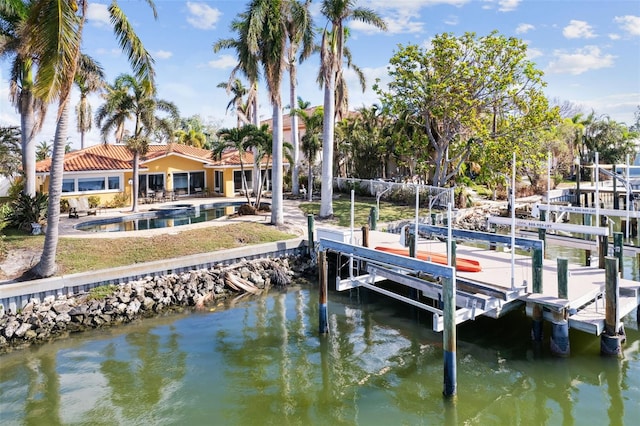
{"x":86,"y":254}
{"x":389,"y":212}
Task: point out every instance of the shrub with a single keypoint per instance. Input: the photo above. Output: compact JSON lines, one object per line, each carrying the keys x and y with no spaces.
{"x":27,"y":210}
{"x":119,"y":200}
{"x":5,"y":210}
{"x":64,"y":205}
{"x":94,"y":201}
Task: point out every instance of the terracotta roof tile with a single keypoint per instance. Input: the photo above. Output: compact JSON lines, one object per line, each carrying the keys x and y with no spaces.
{"x":118,"y":157}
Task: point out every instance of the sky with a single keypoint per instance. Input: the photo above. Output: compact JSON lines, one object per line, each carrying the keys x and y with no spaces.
{"x":589,"y":51}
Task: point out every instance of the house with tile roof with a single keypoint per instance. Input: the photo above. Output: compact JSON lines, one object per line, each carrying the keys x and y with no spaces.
{"x":106,"y":170}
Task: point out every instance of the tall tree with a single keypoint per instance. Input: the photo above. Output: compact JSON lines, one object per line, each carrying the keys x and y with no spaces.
{"x":53,"y":33}
{"x":248,"y":64}
{"x":136,"y":100}
{"x":299,"y":26}
{"x":266,"y":39}
{"x":9,"y":151}
{"x":89,"y":79}
{"x":337,"y":12}
{"x":237,"y":102}
{"x":467,"y":92}
{"x":32,"y":110}
{"x":236,"y":138}
{"x":311,"y":141}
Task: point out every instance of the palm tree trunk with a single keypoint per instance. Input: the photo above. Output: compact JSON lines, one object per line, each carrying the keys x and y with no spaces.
{"x":27,"y":124}
{"x":310,"y":181}
{"x":277,"y":213}
{"x":295,"y":170}
{"x":256,"y":122}
{"x":326,"y":192}
{"x":46,"y":267}
{"x":136,"y":182}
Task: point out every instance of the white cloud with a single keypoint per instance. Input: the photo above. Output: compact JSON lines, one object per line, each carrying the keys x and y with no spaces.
{"x":582,"y":60}
{"x":202,"y":16}
{"x":452,"y":20}
{"x":397,"y":23}
{"x":614,"y":36}
{"x":98,"y":14}
{"x":629,"y":23}
{"x":223,"y":61}
{"x":163,"y":54}
{"x":502,"y":5}
{"x":533,"y":53}
{"x":508,"y":5}
{"x":407,"y":5}
{"x":524,"y":28}
{"x":578,"y":29}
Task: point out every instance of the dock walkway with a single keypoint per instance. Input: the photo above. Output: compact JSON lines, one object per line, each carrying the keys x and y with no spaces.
{"x":584,"y":304}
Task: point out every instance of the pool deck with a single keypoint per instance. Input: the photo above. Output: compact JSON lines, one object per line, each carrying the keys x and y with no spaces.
{"x":294,"y":218}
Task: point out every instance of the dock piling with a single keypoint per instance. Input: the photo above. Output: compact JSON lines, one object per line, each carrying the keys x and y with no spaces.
{"x":618,"y":248}
{"x":563,"y":278}
{"x":323,"y":290}
{"x":611,"y":339}
{"x":449,"y":336}
{"x":310,"y":226}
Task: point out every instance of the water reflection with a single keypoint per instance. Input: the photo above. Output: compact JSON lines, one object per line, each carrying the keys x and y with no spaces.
{"x":263,"y":362}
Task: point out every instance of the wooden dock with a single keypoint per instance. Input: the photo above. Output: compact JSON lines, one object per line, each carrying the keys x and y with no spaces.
{"x":583,"y":304}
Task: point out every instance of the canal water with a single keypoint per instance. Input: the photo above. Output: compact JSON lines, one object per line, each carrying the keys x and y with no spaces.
{"x":260,"y":360}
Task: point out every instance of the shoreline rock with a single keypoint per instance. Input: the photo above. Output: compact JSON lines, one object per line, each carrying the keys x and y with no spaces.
{"x":53,"y":318}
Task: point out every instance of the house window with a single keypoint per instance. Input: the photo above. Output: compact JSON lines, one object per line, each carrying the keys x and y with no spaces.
{"x":238,"y":185}
{"x":187,"y":183}
{"x":219,"y":179}
{"x":68,"y":185}
{"x":114,"y":182}
{"x":91,"y":184}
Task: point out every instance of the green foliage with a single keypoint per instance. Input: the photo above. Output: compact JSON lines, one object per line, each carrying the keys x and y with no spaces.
{"x":64,"y":205}
{"x":119,"y":200}
{"x":27,"y":210}
{"x":5,"y":210}
{"x":10,"y":152}
{"x":102,"y":292}
{"x":16,"y":188}
{"x":94,"y":201}
{"x":467,"y":96}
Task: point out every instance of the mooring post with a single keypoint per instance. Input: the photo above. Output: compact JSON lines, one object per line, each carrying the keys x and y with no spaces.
{"x":603,"y":248}
{"x":412,"y":245}
{"x":611,"y":339}
{"x":449,"y":336}
{"x":323,"y":289}
{"x":453,"y":254}
{"x":560,"y":325}
{"x":542,"y":233}
{"x":433,"y":219}
{"x":563,"y":278}
{"x":365,"y":236}
{"x":587,"y":258}
{"x":310,"y":234}
{"x":618,"y":250}
{"x":373,"y":218}
{"x":536,"y":287}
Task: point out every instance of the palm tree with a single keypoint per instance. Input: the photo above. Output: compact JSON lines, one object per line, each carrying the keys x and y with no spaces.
{"x":299,"y":26}
{"x":9,"y":151}
{"x":53,"y":33}
{"x":266,"y":38}
{"x":261,"y":140}
{"x":89,"y":79}
{"x":337,"y":13}
{"x":136,"y":100}
{"x":237,"y":103}
{"x":311,"y":140}
{"x":236,"y":138}
{"x":32,"y":110}
{"x":248,"y":64}
{"x":44,"y":150}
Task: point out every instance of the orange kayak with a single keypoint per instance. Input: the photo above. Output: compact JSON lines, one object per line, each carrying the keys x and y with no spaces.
{"x":462,"y":264}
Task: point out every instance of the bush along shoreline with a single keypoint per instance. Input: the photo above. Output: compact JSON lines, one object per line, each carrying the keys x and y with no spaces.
{"x":52,"y":318}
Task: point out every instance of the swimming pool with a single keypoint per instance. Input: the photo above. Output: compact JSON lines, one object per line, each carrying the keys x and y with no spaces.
{"x":166,"y":217}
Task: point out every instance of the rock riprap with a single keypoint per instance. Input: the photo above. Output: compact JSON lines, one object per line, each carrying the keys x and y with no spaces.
{"x":41,"y":321}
